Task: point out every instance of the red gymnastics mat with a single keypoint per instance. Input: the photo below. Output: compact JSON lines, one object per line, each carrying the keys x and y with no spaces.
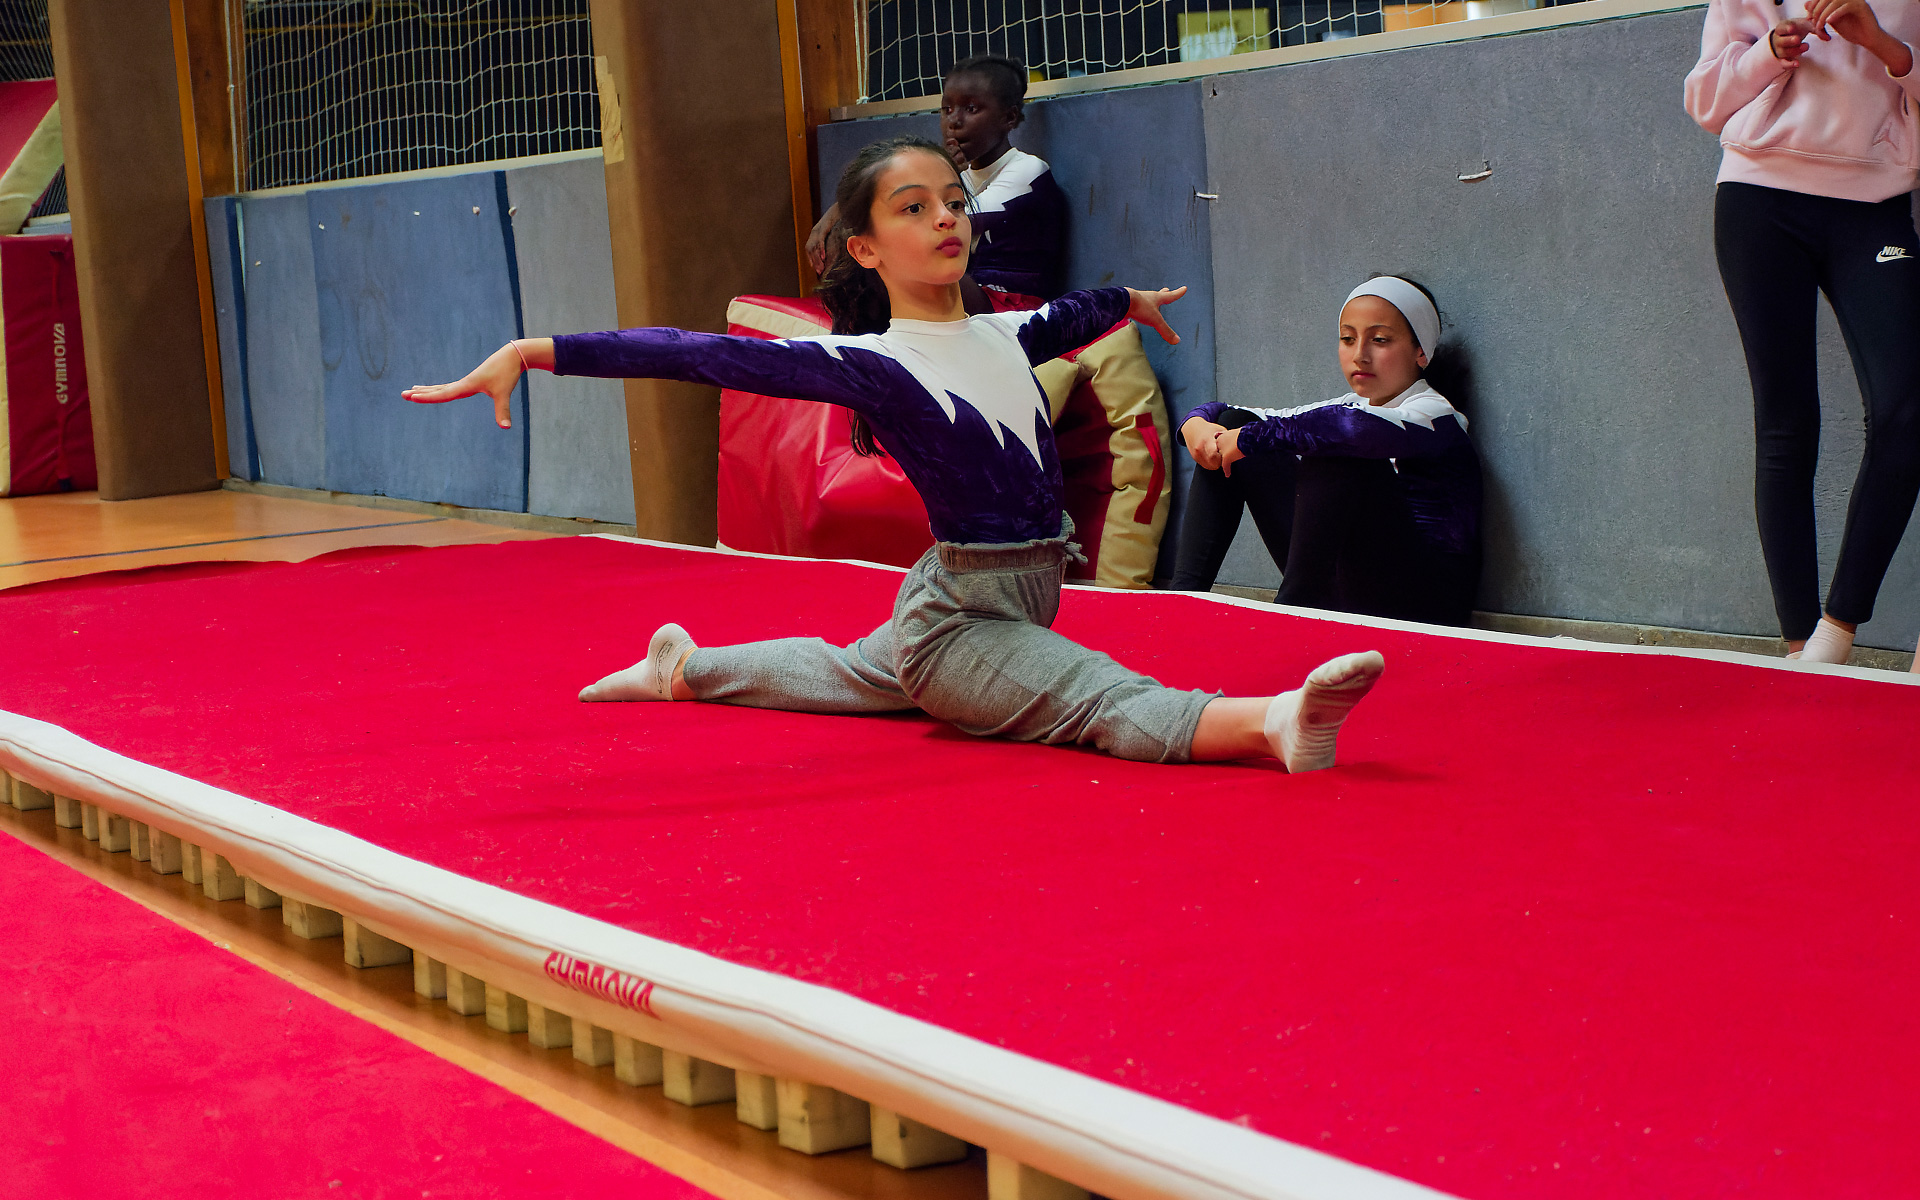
{"x":127,"y":1073}
{"x":1567,"y":922}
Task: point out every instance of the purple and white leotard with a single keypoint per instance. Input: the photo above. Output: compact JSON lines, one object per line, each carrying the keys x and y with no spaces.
{"x":956,"y":403}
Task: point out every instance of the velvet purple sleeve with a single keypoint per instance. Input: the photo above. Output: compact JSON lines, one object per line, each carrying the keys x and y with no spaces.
{"x":803,"y":369}
{"x":1342,"y":430}
{"x":1070,"y":322}
{"x":1209,"y":412}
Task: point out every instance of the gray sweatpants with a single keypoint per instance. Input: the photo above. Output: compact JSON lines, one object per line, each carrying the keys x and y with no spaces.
{"x":969,"y":642}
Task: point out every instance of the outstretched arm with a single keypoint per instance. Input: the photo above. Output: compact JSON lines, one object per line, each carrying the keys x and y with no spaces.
{"x":1079,"y":317}
{"x":825,"y":369}
{"x":496,"y":377}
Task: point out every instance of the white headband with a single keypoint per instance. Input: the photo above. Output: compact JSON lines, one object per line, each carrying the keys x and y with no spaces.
{"x":1412,"y":303}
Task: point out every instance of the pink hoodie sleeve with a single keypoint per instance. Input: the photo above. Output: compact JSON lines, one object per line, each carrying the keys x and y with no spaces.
{"x":1735,"y":66}
{"x":1910,"y":82}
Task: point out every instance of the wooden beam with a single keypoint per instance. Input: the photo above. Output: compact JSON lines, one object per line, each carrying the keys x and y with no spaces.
{"x":429,"y":977}
{"x":66,"y":812}
{"x":116,"y":837}
{"x":90,"y":821}
{"x":365,"y":948}
{"x":1008,"y":1179}
{"x":218,"y":879}
{"x":167,"y":857}
{"x":216,"y":71}
{"x":28,"y":798}
{"x":903,"y":1142}
{"x":466,"y":994}
{"x":592,"y":1045}
{"x":310,"y":921}
{"x":756,"y":1100}
{"x":505,"y":1011}
{"x":197,"y":224}
{"x":548,"y":1028}
{"x":815,"y":1119}
{"x":637,"y":1063}
{"x":820,"y":65}
{"x":140,"y":843}
{"x":259,"y":895}
{"x":694,"y":1081}
{"x":694,"y":216}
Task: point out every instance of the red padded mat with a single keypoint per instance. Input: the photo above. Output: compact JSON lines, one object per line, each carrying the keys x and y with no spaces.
{"x":1566,"y":924}
{"x":127,"y":1075}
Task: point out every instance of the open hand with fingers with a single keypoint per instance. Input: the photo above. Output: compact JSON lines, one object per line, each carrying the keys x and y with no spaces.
{"x":1855,"y":22}
{"x":1146,"y":310}
{"x":496,"y":378}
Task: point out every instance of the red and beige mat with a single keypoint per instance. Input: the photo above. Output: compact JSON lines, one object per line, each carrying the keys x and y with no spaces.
{"x":1568,"y":922}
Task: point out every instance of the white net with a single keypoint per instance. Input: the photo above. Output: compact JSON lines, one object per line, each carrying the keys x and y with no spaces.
{"x":341,"y":89}
{"x":26,"y":52}
{"x":911,"y":43}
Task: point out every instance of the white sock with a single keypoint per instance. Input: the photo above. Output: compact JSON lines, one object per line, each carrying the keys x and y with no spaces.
{"x":1301,"y":725}
{"x":652,"y":677}
{"x":1829,"y":643}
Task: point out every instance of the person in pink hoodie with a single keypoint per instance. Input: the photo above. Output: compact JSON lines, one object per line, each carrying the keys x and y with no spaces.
{"x":1814,"y":104}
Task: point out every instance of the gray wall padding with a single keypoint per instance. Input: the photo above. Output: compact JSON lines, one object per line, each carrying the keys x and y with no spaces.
{"x":415,"y":285}
{"x":578,"y":463}
{"x":1131,"y":163}
{"x":284,"y":381}
{"x":229,"y":290}
{"x":1610,"y":399}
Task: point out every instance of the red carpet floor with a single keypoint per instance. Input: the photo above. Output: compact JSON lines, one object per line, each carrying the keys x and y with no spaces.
{"x":143,"y":1060}
{"x":1567,"y":924}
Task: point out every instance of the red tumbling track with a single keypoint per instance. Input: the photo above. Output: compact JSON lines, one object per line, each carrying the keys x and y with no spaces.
{"x":1567,"y":923}
{"x":143,"y":1060}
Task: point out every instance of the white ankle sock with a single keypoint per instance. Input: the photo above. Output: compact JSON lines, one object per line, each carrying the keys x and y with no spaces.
{"x":652,"y":677}
{"x":1829,"y":644}
{"x":1302,"y":725}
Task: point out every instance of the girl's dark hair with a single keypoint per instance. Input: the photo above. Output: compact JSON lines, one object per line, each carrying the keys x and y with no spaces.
{"x":1006,"y":79}
{"x":855,"y":297}
{"x":1447,"y":370}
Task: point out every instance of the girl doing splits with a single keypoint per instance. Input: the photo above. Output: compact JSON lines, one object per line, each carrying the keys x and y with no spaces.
{"x":956,"y":402}
{"x":1370,"y":502}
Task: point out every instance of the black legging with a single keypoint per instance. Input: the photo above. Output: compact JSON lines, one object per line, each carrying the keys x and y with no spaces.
{"x":1776,"y":250}
{"x":1340,"y":530}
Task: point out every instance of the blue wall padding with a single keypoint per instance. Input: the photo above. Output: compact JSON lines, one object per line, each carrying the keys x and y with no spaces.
{"x":578,"y":461}
{"x":1131,"y":163}
{"x":414,"y":285}
{"x":282,"y":326}
{"x":229,"y":291}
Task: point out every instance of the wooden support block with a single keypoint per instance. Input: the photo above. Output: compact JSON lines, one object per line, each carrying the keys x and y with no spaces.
{"x":66,"y":812}
{"x":1010,"y":1180}
{"x":116,"y":835}
{"x":141,"y":847}
{"x":756,"y":1100}
{"x":592,"y":1045}
{"x":365,"y":948}
{"x":815,"y":1119}
{"x":548,"y":1029}
{"x":259,"y":895}
{"x":218,"y":879}
{"x":685,"y":1079}
{"x":190,"y":856}
{"x":165,"y":849}
{"x":429,"y":977}
{"x":90,"y":821}
{"x":906,"y":1143}
{"x":505,"y":1011}
{"x":28,"y":798}
{"x":310,"y":920}
{"x":466,"y":994}
{"x":637,"y":1063}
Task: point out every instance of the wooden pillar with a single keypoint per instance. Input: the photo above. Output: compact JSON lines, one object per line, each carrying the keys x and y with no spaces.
{"x":820,"y":66}
{"x":133,"y":227}
{"x":694,"y":121}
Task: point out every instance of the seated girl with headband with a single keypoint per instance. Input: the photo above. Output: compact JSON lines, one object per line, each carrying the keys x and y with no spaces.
{"x":1369,"y":501}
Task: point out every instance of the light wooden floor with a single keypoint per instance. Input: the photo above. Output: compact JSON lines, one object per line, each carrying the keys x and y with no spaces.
{"x":77,"y":533}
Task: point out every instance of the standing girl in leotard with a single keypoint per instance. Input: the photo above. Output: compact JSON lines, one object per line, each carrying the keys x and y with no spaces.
{"x":1820,"y":144}
{"x":956,"y":403}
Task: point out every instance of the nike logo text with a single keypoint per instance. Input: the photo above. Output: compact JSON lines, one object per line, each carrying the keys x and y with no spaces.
{"x":1889,"y":253}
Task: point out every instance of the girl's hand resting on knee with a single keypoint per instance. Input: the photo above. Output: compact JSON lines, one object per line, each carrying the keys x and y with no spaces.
{"x":496,"y":378}
{"x":1146,"y":310}
{"x":1202,"y":438}
{"x":1229,"y":446}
